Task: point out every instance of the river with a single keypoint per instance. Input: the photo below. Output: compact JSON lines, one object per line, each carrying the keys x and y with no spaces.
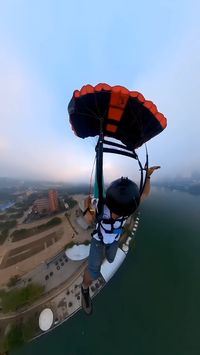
{"x":152,"y":305}
{"x":6,"y":205}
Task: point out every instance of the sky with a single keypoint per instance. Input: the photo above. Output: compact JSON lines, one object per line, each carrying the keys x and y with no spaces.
{"x":50,"y":48}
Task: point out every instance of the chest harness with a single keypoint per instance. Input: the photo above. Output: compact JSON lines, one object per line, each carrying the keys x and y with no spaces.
{"x":109,"y":221}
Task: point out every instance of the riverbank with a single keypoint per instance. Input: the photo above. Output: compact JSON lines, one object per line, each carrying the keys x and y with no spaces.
{"x":4,"y":206}
{"x":151,"y":305}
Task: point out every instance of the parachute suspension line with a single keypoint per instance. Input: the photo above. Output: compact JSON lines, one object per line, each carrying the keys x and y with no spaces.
{"x":141,"y":176}
{"x":91,"y":177}
{"x":89,"y":112}
{"x":146,"y":166}
{"x":99,"y":170}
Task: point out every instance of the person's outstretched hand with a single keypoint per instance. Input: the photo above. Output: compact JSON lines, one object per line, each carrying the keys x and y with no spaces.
{"x":152,"y":169}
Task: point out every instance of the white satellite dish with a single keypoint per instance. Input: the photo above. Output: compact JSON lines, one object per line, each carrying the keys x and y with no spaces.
{"x":46,"y":319}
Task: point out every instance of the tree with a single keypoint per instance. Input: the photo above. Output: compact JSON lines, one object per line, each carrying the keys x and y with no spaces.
{"x":14,"y":338}
{"x":15,"y":299}
{"x":30,"y":327}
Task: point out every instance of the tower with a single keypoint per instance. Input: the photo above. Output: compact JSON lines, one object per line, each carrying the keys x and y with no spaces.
{"x":53,"y":200}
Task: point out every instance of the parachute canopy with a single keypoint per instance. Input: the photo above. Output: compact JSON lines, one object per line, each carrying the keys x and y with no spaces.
{"x":124,"y":115}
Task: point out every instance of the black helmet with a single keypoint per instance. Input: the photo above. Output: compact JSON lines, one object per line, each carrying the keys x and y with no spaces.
{"x":122,"y":197}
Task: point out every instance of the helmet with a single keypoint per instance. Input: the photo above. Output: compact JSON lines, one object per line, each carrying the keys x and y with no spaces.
{"x":122,"y":197}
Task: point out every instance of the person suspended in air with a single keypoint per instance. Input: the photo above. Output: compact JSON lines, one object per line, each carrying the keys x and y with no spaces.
{"x":113,"y":112}
{"x":122,"y":200}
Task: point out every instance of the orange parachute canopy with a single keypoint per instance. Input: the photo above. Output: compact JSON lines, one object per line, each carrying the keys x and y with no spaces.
{"x":124,"y":115}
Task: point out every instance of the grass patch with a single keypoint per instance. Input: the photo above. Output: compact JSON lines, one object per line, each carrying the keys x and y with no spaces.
{"x":25,"y":233}
{"x":20,"y":333}
{"x":4,"y":229}
{"x":13,"y":300}
{"x":14,"y":338}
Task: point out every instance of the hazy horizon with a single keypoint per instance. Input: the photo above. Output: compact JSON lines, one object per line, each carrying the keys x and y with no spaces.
{"x":195,"y":176}
{"x":47,"y":50}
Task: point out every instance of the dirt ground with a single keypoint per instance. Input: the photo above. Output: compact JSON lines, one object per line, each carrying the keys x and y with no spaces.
{"x":19,"y":258}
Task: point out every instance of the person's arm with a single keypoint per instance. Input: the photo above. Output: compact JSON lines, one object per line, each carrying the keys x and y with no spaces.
{"x":89,"y":213}
{"x":87,"y":203}
{"x":147,"y":187}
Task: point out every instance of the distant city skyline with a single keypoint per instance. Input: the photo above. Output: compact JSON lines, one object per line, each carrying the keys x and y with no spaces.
{"x":47,"y":50}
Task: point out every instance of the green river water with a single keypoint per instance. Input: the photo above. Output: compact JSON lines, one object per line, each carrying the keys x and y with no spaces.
{"x":152,"y":305}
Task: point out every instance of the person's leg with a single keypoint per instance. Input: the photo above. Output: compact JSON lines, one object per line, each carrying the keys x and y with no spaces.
{"x":87,"y":279}
{"x":92,"y":272}
{"x":94,"y":262}
{"x":111,"y":251}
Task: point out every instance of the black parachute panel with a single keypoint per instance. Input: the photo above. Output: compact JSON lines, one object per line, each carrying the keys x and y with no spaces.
{"x":125,"y":115}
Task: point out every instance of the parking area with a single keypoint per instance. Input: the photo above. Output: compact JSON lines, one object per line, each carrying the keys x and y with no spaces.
{"x":53,"y":273}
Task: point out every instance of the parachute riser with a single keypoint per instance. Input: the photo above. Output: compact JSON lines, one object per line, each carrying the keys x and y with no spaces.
{"x":100,"y":149}
{"x":119,"y":152}
{"x":131,"y":154}
{"x":146,"y":166}
{"x":99,"y":170}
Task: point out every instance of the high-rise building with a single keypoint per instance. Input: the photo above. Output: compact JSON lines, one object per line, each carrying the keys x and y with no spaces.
{"x":53,"y":200}
{"x":47,"y":204}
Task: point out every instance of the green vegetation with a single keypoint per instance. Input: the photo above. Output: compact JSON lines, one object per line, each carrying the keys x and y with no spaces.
{"x":11,"y":210}
{"x":17,"y":214}
{"x":16,"y":299}
{"x":30,"y":328}
{"x":25,"y":233}
{"x":14,"y":338}
{"x":70,"y":245}
{"x":20,"y":333}
{"x":5,"y":228}
{"x":70,"y":201}
{"x":3,"y":236}
{"x":7,"y":225}
{"x":53,"y":222}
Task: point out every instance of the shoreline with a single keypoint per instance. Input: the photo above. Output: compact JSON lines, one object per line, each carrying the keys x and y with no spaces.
{"x":64,"y":297}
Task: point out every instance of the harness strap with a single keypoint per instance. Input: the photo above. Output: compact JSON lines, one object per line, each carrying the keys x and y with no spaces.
{"x":113,"y":230}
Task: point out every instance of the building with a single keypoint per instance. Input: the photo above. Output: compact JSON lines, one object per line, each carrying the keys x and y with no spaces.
{"x":53,"y":201}
{"x":41,"y":205}
{"x":47,"y":204}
